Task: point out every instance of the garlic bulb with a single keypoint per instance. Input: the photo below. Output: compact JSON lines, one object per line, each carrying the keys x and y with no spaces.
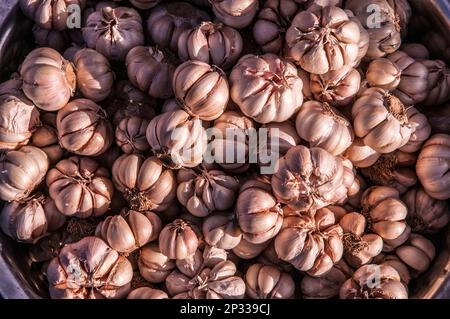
{"x":266,"y":88}
{"x":129,"y":230}
{"x":363,"y":284}
{"x":131,"y":135}
{"x":268,"y":282}
{"x":177,"y":139}
{"x":30,"y":220}
{"x":146,"y":185}
{"x":201,"y":89}
{"x":178,"y":240}
{"x":413,"y":86}
{"x":153,"y":265}
{"x":217,"y":281}
{"x":258,"y":213}
{"x":167,"y":22}
{"x":432,"y":166}
{"x":15,"y":182}
{"x":338,"y":87}
{"x":438,"y":82}
{"x":310,"y":243}
{"x":324,"y":126}
{"x":311,"y":29}
{"x":151,"y":70}
{"x":235,"y":13}
{"x":417,"y":253}
{"x":211,"y":43}
{"x":50,"y":14}
{"x":203,"y":192}
{"x":113,"y":32}
{"x":380,"y":120}
{"x":83,"y":128}
{"x":425,"y":214}
{"x":385,"y":215}
{"x":302,"y":175}
{"x":80,"y":187}
{"x":271,"y":24}
{"x":79,"y":272}
{"x":19,"y":119}
{"x":95,"y":77}
{"x":49,"y":80}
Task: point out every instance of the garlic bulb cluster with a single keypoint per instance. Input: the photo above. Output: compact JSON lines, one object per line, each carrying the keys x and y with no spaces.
{"x":226,"y":149}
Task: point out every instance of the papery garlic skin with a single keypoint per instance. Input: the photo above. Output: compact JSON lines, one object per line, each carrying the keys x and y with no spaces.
{"x":360,"y":154}
{"x":380,"y":120}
